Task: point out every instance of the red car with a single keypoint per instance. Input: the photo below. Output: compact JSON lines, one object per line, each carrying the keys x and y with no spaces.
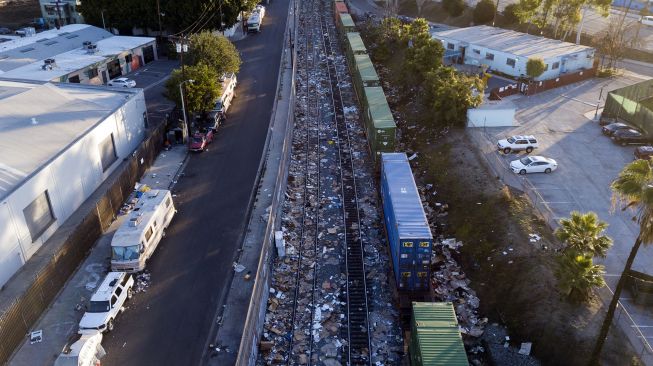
{"x":200,"y":140}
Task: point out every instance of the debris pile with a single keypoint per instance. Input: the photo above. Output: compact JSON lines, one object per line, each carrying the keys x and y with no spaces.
{"x":142,"y":282}
{"x":501,"y":350}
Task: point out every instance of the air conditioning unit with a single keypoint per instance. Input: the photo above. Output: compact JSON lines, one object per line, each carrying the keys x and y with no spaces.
{"x":134,"y":221}
{"x":91,"y":48}
{"x":85,"y":44}
{"x":48,"y":64}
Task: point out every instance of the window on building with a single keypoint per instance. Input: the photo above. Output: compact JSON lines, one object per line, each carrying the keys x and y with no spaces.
{"x":74,"y":79}
{"x":555,"y":65}
{"x":450,"y":46}
{"x":108,"y":152}
{"x":92,"y":73}
{"x":38,"y":215}
{"x":478,"y":52}
{"x":489,"y":56}
{"x":128,"y":59}
{"x":148,"y":234}
{"x":511,"y":62}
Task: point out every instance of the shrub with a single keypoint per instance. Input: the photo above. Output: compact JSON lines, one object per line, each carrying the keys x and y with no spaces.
{"x":454,"y":8}
{"x":484,"y":12}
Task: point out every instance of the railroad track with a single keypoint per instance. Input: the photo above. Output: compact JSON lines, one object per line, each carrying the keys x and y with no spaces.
{"x":322,"y":314}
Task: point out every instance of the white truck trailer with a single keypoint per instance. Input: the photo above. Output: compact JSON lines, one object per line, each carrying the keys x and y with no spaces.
{"x":137,"y":238}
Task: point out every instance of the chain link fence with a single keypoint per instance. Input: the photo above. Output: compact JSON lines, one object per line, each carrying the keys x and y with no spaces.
{"x":21,"y":313}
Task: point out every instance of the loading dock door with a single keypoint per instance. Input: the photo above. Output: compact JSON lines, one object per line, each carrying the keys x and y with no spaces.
{"x":114,"y":69}
{"x":148,"y":54}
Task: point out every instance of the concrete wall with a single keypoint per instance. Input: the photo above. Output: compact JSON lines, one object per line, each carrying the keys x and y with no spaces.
{"x":69,"y":178}
{"x":492,"y":114}
{"x":566,"y":63}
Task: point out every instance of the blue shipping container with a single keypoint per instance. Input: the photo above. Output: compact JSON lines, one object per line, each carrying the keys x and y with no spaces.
{"x":408,"y":230}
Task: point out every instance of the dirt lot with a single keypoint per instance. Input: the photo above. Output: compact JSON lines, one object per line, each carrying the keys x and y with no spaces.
{"x":17,"y":13}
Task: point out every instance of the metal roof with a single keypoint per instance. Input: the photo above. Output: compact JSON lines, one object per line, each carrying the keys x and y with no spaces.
{"x":356,"y":43}
{"x":22,"y":58}
{"x":378,"y":107}
{"x":437,"y":334}
{"x":406,"y":203}
{"x":365,"y":68}
{"x":346,"y":20}
{"x":511,"y":42}
{"x":105,"y":290}
{"x":39,"y":121}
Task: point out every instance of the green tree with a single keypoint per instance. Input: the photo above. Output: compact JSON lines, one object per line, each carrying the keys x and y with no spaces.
{"x":510,"y":14}
{"x":454,"y":8}
{"x":484,"y":12}
{"x":201,"y":94}
{"x":448,"y":94}
{"x":633,"y":188}
{"x":577,"y":275}
{"x":535,"y":67}
{"x":584,"y":234}
{"x":215,"y":51}
{"x":421,"y":58}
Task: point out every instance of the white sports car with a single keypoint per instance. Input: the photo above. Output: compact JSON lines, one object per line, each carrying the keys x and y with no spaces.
{"x":533,"y":164}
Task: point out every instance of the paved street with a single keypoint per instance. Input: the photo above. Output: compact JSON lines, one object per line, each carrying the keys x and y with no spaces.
{"x":193,"y":264}
{"x":587,"y":163}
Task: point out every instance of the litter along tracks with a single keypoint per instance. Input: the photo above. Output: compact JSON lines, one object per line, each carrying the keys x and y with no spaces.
{"x":320,"y":310}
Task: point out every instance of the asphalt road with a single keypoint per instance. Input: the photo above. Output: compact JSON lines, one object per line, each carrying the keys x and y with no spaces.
{"x":169,"y":324}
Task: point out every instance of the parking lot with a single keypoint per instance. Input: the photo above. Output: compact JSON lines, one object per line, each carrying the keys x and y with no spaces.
{"x":563,"y":121}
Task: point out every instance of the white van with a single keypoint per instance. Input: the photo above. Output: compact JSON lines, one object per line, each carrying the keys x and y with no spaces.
{"x":137,"y":238}
{"x":86,"y":351}
{"x":647,"y":20}
{"x":254,"y":22}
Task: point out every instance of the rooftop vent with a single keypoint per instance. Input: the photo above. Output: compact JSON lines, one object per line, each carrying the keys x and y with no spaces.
{"x":34,"y":121}
{"x":91,"y":48}
{"x":48,"y":64}
{"x":134,"y":221}
{"x":86,"y":43}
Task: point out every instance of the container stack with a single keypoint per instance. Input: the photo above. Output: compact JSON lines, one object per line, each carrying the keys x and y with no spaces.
{"x":434,"y":336}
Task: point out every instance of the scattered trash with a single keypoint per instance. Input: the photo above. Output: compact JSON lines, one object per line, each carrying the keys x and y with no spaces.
{"x":525,"y":348}
{"x":238,"y":267}
{"x":414,"y":156}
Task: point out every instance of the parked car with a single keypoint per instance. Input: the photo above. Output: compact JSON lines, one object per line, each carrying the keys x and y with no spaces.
{"x":200,"y":140}
{"x":106,"y":303}
{"x":610,"y":129}
{"x":644,"y":152}
{"x":646,"y":20}
{"x":533,"y":164}
{"x":124,"y":82}
{"x":630,"y":136}
{"x":518,"y":143}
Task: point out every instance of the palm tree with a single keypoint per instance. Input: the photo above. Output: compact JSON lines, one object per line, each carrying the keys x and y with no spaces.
{"x":578,"y":275}
{"x":634,"y":187}
{"x":583,"y":233}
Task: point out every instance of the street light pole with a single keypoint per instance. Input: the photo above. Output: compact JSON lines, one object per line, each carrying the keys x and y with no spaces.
{"x":598,"y":103}
{"x":102,"y":15}
{"x":183,"y":107}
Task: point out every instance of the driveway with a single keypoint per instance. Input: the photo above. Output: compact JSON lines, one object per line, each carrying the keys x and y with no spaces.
{"x":588,"y":162}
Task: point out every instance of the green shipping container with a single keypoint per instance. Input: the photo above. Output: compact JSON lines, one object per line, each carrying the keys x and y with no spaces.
{"x":379,"y":124}
{"x":364,"y":75}
{"x":346,"y":24}
{"x":354,"y":46}
{"x":435,"y":339}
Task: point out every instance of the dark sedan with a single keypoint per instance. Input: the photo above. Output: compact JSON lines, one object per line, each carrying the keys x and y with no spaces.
{"x":603,"y":121}
{"x":644,"y":152}
{"x":629,"y":136}
{"x":610,"y":129}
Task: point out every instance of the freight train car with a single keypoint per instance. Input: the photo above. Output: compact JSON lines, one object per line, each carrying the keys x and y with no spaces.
{"x":354,"y":46}
{"x":408,"y":231}
{"x":435,"y":339}
{"x":345,"y":25}
{"x":339,"y":9}
{"x":364,"y":75}
{"x":380,"y":126}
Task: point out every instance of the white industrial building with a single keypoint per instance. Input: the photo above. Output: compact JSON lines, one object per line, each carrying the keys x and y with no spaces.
{"x":58,"y":143}
{"x":508,"y":51}
{"x":76,"y":53}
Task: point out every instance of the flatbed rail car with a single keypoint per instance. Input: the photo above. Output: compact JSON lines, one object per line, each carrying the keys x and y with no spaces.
{"x":345,"y":24}
{"x":435,"y":338}
{"x":407,"y":228}
{"x":380,"y":126}
{"x":364,"y":75}
{"x":136,"y":239}
{"x":354,"y":46}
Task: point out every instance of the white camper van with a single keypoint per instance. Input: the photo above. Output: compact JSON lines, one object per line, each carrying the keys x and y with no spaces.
{"x":137,"y":238}
{"x":86,"y":351}
{"x":254,"y":22}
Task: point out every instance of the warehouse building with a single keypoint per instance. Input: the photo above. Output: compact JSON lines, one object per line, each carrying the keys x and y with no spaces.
{"x":507,"y":51}
{"x":58,"y":143}
{"x":76,"y":53}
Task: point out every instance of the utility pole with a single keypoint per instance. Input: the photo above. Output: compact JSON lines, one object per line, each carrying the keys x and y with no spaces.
{"x":496,"y":9}
{"x":158,"y":13}
{"x":60,"y":20}
{"x":102,"y":15}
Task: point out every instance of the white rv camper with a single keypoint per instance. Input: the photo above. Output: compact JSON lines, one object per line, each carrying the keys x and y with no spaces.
{"x":137,"y":238}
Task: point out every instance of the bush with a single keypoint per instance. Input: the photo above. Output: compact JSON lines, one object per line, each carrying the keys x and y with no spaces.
{"x":510,"y":14}
{"x":454,"y":8}
{"x":484,"y":12}
{"x":535,"y":67}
